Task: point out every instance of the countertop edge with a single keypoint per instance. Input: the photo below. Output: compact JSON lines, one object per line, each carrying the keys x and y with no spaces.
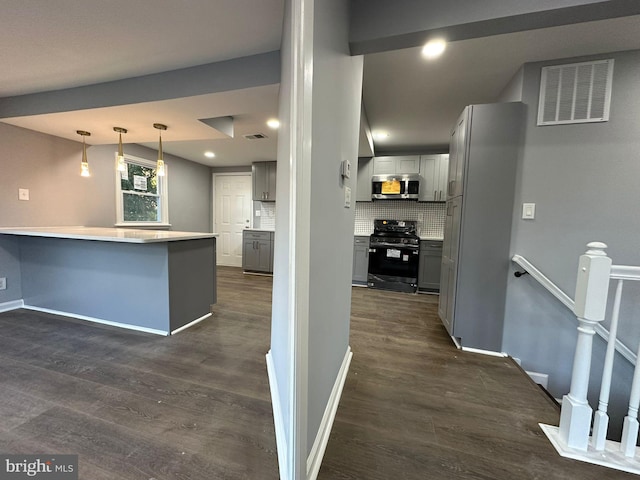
{"x":177,"y":236}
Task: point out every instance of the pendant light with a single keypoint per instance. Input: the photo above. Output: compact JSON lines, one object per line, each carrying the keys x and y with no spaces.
{"x":160,"y":164}
{"x":84,"y":166}
{"x":121,"y":165}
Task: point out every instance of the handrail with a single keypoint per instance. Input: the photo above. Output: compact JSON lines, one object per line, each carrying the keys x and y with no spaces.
{"x":617,"y":272}
{"x":544,"y":281}
{"x":623,"y":272}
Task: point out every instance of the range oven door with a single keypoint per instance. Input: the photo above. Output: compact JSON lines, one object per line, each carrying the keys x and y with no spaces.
{"x":393,"y":267}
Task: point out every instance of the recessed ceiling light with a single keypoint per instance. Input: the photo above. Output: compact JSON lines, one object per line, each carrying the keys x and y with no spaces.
{"x":434,"y":48}
{"x":273,"y":123}
{"x":380,"y":135}
{"x":209,"y":154}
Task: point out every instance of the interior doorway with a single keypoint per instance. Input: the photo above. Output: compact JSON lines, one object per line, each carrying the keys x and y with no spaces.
{"x":232,"y":207}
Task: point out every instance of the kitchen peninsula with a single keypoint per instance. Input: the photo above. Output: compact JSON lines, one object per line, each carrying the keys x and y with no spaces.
{"x":149,"y":280}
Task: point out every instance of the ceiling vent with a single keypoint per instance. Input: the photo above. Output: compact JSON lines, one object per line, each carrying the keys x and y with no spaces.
{"x":575,"y":93}
{"x":255,"y":136}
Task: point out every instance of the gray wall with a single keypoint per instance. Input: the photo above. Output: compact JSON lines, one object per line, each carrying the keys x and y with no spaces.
{"x":583,"y":179}
{"x":50,"y":168}
{"x":337,"y":87}
{"x":512,"y":92}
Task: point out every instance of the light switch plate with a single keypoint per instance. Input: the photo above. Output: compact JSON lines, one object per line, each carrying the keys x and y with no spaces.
{"x":3,"y":283}
{"x":258,"y":212}
{"x":23,"y":194}
{"x":528,"y":211}
{"x":347,"y":197}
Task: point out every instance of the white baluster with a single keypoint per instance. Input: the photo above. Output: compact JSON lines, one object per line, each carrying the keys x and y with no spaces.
{"x":592,"y":288}
{"x":630,"y":425}
{"x":601,"y":419}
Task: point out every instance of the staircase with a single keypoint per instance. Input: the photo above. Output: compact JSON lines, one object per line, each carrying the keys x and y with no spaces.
{"x":574,"y":437}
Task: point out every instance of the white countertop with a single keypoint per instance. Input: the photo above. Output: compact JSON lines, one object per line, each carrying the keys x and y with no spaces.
{"x":125,"y":235}
{"x":260,"y":229}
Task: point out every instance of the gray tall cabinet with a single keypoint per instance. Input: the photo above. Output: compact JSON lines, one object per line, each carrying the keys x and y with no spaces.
{"x":483,"y":153}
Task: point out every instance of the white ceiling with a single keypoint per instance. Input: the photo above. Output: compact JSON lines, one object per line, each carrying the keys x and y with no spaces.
{"x":186,"y":136}
{"x":49,"y":45}
{"x":417,"y":101}
{"x":52,"y":45}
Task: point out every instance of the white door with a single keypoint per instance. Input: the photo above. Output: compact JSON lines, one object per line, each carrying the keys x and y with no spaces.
{"x":233,"y":214}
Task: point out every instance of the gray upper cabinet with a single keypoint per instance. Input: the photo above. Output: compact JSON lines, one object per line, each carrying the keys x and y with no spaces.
{"x":396,"y":164}
{"x":475,"y":258}
{"x":434,"y":170}
{"x":457,"y":156}
{"x":365,"y":171}
{"x":263,"y":175}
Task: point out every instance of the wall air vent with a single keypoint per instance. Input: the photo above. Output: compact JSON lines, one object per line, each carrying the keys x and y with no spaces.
{"x":575,"y":93}
{"x":255,"y":136}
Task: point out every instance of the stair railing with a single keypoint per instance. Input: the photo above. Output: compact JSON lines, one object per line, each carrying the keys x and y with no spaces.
{"x":572,"y":438}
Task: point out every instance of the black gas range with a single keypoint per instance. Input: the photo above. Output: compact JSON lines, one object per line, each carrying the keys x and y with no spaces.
{"x":394,"y":252}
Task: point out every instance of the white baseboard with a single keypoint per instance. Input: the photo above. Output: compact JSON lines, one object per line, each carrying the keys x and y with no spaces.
{"x":491,"y":353}
{"x":191,"y":324}
{"x":322,"y":438}
{"x":540,"y":378}
{"x":12,"y":305}
{"x":278,"y":419}
{"x":96,"y":320}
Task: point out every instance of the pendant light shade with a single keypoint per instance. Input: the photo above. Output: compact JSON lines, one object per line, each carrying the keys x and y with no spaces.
{"x":160,"y":164}
{"x":121,"y":165}
{"x":84,"y":166}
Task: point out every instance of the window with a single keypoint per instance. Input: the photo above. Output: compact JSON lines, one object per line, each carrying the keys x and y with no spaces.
{"x":141,"y":195}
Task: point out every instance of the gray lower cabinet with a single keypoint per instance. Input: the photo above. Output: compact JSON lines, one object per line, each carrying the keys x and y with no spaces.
{"x":430,"y":265}
{"x":360,"y":260}
{"x":257,"y":251}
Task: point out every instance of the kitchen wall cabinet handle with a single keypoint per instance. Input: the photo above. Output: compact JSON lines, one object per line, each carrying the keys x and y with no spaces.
{"x":435,"y":195}
{"x":451,"y":183}
{"x":441,"y":194}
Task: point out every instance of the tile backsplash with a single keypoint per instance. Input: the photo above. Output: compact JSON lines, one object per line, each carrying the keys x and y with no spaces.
{"x":267,"y":218}
{"x":430,"y":216}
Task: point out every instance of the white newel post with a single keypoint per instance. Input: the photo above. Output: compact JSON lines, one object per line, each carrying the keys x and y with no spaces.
{"x":592,"y":288}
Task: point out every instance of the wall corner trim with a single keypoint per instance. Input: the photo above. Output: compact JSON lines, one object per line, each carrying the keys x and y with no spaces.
{"x":278,"y":419}
{"x":322,"y":438}
{"x":12,"y":305}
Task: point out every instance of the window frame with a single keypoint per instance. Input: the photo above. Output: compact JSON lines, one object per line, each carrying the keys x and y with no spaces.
{"x":163,"y":195}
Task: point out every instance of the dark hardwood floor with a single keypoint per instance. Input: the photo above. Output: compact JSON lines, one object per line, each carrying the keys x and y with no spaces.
{"x":197,"y":405}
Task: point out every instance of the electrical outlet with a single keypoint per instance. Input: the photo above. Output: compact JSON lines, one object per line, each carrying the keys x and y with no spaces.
{"x":23,"y":194}
{"x":3,"y":283}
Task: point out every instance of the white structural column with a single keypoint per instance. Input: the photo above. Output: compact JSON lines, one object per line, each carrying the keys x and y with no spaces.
{"x":590,"y":305}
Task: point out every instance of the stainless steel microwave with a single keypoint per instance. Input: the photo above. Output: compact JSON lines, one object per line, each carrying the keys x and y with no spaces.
{"x":395,"y":187}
